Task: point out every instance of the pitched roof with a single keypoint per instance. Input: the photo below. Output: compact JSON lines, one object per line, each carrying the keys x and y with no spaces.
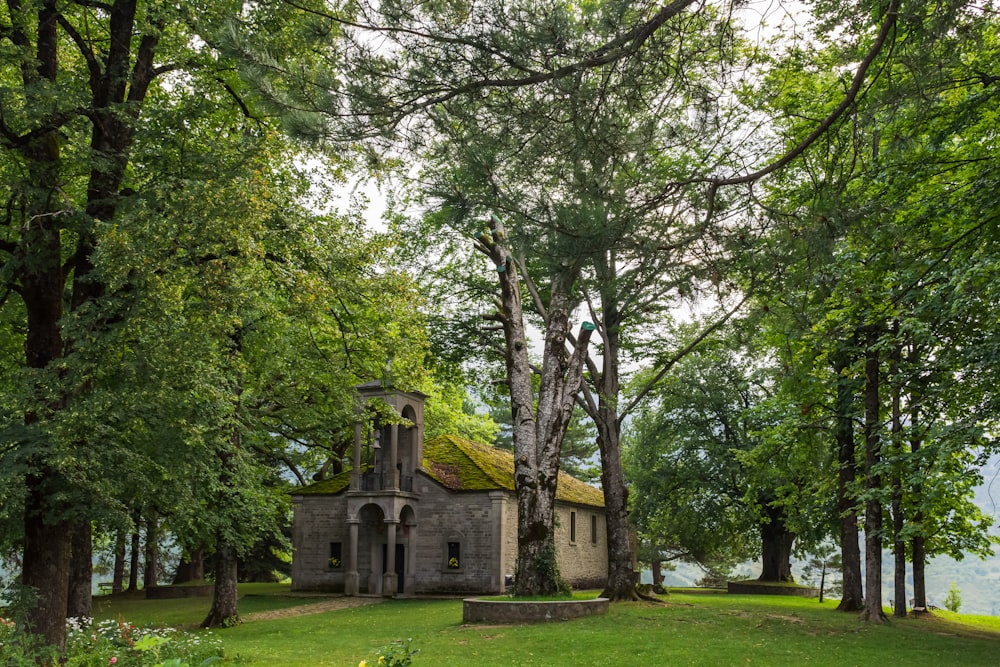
{"x":462,"y":465}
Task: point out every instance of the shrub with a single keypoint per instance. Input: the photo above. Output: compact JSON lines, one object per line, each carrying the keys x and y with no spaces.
{"x":396,"y":654}
{"x":119,"y":643}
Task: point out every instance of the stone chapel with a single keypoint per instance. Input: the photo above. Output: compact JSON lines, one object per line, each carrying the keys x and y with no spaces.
{"x":435,"y":517}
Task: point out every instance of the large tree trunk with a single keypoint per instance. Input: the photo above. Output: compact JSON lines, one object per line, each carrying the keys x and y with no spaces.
{"x":79,"y":603}
{"x":621,"y":582}
{"x":873,"y":483}
{"x":48,"y":519}
{"x":775,"y":546}
{"x":852,"y":598}
{"x":225,"y":607}
{"x":47,"y":549}
{"x":621,"y":568}
{"x":538,"y":432}
{"x":47,"y":545}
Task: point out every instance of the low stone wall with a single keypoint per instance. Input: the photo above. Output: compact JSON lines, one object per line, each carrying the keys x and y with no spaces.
{"x":476,"y":610}
{"x":172,"y":592}
{"x":754,"y":587}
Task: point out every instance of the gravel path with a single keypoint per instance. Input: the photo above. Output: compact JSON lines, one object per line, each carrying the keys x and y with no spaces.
{"x":333,"y":604}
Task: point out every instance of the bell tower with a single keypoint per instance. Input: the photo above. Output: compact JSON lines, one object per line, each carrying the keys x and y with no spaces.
{"x":388,"y":451}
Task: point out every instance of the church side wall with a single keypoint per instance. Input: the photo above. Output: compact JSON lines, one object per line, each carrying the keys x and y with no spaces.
{"x":468,"y":520}
{"x":583,"y":557}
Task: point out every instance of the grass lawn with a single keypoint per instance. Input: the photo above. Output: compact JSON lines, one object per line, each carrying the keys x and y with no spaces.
{"x":688,"y":629}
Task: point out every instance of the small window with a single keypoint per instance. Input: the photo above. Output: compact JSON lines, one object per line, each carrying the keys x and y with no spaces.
{"x":572,"y":526}
{"x":336,"y":556}
{"x":454,"y":555}
{"x":593,"y":529}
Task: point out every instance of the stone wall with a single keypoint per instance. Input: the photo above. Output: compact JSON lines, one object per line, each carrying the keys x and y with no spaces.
{"x":318,"y":521}
{"x":483,"y":523}
{"x":583,"y":561}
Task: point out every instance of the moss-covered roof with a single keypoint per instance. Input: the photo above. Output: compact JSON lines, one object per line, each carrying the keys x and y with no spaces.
{"x":462,"y":465}
{"x":328,"y":487}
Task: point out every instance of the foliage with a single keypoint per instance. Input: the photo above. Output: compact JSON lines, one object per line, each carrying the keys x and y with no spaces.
{"x":396,"y":654}
{"x":953,"y":601}
{"x":117,"y":642}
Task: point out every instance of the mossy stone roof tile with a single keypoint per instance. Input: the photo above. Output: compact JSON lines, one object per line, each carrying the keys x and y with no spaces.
{"x":462,"y":465}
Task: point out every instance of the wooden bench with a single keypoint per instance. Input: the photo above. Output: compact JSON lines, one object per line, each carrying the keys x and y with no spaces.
{"x":105,"y":587}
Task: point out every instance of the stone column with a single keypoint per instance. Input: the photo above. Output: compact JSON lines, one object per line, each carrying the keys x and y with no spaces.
{"x":393,"y":456}
{"x":356,"y":466}
{"x":351,"y":577}
{"x":389,"y":582}
{"x":498,"y":506}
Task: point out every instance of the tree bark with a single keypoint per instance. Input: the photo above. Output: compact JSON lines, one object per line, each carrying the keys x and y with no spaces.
{"x":151,"y":569}
{"x":47,"y":551}
{"x":872,"y":611}
{"x":776,"y":547}
{"x":602,"y":406}
{"x":79,"y":603}
{"x":133,"y":564}
{"x":896,"y":434}
{"x":852,"y":598}
{"x":918,"y":544}
{"x":225,"y":609}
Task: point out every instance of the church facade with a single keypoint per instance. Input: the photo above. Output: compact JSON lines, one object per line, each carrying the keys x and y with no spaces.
{"x":435,"y":517}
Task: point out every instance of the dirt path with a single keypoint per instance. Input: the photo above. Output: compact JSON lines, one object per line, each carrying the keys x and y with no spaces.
{"x":333,"y":604}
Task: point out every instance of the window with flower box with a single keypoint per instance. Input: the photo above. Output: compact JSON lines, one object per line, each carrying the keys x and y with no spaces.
{"x":454,"y":561}
{"x":336,"y":560}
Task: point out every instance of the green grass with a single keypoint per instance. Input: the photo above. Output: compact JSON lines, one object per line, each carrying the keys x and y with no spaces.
{"x":688,"y":629}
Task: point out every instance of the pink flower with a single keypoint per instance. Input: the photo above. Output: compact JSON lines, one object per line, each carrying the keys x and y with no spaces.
{"x":113,"y":660}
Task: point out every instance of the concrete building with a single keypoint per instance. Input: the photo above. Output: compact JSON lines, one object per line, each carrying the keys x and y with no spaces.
{"x":429,"y":517}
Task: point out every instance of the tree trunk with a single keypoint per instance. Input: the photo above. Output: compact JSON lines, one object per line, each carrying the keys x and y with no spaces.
{"x":537,"y":432}
{"x":775,"y":547}
{"x":118,"y":578}
{"x":48,"y":519}
{"x":872,"y":611}
{"x":621,"y":582}
{"x":896,"y":433}
{"x":47,"y":544}
{"x":918,"y":543}
{"x":79,"y":602}
{"x":852,"y":598}
{"x":621,"y":568}
{"x":191,"y":567}
{"x":133,"y":564}
{"x":151,"y":570}
{"x":225,"y":608}
{"x":657,"y":567}
{"x":47,"y":550}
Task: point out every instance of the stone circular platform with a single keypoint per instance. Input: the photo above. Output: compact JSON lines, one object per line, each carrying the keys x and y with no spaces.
{"x":478,"y":610}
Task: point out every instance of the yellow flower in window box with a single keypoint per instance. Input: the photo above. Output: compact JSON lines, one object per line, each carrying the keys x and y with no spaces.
{"x":453,"y":563}
{"x":334,"y":562}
